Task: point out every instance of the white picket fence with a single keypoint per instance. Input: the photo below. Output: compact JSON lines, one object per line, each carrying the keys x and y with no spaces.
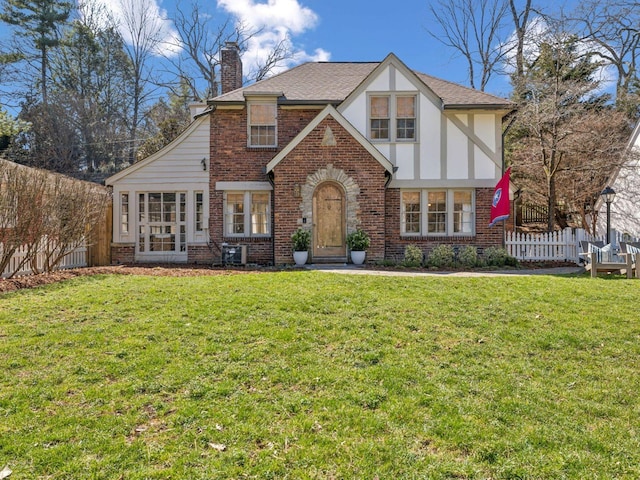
{"x":560,"y":246}
{"x":75,"y":259}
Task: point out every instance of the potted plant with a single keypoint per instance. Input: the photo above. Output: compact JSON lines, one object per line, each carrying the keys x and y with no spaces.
{"x":358,"y":242}
{"x":301,"y":239}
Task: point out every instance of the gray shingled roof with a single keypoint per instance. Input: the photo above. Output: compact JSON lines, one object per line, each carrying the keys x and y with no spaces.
{"x":333,"y":81}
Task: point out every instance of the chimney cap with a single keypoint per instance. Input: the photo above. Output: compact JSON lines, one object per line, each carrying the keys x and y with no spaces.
{"x":231,"y":45}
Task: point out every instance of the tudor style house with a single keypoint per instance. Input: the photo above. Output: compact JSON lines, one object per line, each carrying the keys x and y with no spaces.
{"x":326,"y":146}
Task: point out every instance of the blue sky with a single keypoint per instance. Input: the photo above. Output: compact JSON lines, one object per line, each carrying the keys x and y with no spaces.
{"x":336,"y":30}
{"x":339,"y":30}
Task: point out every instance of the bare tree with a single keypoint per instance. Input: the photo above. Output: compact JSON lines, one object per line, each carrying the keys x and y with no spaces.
{"x":611,"y":29}
{"x":566,"y":140}
{"x":144,"y":35}
{"x":200,"y":38}
{"x":474,"y":29}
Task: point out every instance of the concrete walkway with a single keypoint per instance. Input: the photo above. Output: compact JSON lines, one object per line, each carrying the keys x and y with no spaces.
{"x":363,"y":270}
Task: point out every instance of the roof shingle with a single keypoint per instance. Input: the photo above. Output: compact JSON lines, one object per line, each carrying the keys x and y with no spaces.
{"x":332,"y":82}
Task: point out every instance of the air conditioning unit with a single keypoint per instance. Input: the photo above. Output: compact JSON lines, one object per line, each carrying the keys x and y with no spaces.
{"x":234,"y":254}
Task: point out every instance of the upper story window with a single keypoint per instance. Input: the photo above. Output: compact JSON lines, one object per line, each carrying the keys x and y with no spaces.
{"x":392,"y":117}
{"x":379,"y":118}
{"x":262,"y":124}
{"x":406,"y":117}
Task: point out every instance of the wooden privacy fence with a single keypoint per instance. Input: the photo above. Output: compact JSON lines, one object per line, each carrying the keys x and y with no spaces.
{"x":560,"y":246}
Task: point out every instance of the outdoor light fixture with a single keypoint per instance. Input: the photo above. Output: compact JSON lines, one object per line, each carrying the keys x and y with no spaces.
{"x":204,"y":164}
{"x":608,"y":194}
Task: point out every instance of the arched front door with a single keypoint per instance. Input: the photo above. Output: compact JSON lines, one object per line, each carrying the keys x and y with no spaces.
{"x":329,"y":223}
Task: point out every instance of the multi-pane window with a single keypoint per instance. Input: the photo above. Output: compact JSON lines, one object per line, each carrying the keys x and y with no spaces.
{"x":234,"y":214}
{"x":247,"y":214}
{"x":392,"y":117}
{"x":411,"y":212}
{"x":437,"y":212}
{"x":161,"y":219}
{"x":379,"y":118}
{"x":262,"y":124}
{"x":199,"y":211}
{"x":124,"y":213}
{"x":406,"y":118}
{"x":260,"y":213}
{"x":462,"y":212}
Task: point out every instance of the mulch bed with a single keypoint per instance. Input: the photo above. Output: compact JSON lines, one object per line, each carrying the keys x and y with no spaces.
{"x":30,"y":281}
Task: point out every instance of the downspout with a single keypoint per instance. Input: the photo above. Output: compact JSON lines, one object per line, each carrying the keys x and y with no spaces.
{"x":270,"y":177}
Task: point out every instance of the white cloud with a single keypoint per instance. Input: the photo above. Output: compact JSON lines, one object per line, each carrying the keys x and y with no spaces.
{"x":275,"y":21}
{"x":147,"y":16}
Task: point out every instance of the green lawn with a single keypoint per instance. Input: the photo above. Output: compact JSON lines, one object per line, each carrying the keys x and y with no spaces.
{"x":315,"y":375}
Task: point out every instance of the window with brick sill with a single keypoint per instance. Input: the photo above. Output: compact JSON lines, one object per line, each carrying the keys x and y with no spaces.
{"x":247,"y":214}
{"x":437,"y":213}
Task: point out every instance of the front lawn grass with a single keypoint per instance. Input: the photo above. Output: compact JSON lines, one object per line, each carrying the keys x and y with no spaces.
{"x":313,"y":375}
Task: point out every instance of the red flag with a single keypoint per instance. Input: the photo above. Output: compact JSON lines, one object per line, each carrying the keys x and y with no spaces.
{"x":500,"y":206}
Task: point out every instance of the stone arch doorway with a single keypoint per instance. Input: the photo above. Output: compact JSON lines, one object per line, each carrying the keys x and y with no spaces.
{"x":329,"y":223}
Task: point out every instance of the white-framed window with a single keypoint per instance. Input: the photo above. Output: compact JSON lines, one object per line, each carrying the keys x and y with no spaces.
{"x":247,"y":214}
{"x":405,"y":117}
{"x":392,"y":117}
{"x":262,"y":124}
{"x":447,"y":212}
{"x":199,"y":211}
{"x":162,"y":222}
{"x":379,"y":114}
{"x":124,"y":213}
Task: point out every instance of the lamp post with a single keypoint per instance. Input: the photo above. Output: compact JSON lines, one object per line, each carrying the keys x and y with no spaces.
{"x":608,"y":194}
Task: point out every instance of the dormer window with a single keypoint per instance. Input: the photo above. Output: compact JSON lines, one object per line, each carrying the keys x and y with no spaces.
{"x":392,"y":117}
{"x":262,"y":124}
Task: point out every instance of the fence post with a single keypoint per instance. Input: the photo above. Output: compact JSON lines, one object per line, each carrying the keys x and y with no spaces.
{"x":581,"y":235}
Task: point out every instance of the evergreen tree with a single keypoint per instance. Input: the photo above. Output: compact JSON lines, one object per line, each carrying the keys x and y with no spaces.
{"x":38,"y":21}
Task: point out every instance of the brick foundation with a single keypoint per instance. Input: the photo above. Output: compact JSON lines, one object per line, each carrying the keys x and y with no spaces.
{"x":122,"y":253}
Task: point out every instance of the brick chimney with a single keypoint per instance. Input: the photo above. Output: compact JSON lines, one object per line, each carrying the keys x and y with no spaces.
{"x":231,"y":67}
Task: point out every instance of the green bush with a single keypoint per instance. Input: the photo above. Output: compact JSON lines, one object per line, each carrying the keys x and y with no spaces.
{"x":301,"y":240}
{"x":412,"y":256}
{"x":468,"y":256}
{"x":442,"y":256}
{"x":358,"y":241}
{"x":499,"y":257}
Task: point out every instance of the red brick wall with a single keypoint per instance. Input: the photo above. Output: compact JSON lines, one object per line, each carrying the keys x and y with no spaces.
{"x":485,"y":236}
{"x":122,"y":253}
{"x":200,"y":254}
{"x":309,"y":157}
{"x":233,"y":161}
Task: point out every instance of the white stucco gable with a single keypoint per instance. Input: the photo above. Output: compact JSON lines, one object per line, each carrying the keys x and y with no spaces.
{"x":454,"y":146}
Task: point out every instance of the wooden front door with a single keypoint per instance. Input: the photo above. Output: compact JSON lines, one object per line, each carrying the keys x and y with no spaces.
{"x":329,"y":222}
